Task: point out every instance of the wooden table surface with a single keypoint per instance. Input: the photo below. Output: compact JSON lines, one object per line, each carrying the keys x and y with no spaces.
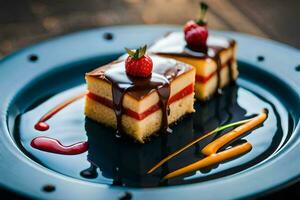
{"x":24,"y":22}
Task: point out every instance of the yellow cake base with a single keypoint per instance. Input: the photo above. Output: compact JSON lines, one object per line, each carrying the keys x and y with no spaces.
{"x":138,"y":129}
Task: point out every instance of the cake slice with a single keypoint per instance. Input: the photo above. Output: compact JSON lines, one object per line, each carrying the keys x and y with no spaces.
{"x":214,"y":58}
{"x":214,"y":69}
{"x":140,"y":106}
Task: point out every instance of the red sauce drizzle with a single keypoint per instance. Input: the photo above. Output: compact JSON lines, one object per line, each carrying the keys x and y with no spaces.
{"x":54,"y":146}
{"x":41,"y":125}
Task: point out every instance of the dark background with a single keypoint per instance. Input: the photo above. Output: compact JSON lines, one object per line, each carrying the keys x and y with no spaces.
{"x":24,"y":22}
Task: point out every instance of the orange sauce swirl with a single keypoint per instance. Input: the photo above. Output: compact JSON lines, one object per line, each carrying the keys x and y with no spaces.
{"x":211,"y":150}
{"x":41,"y":125}
{"x":212,"y":159}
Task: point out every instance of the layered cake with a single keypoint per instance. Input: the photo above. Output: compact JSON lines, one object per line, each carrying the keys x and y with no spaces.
{"x":214,"y":58}
{"x":140,"y":95}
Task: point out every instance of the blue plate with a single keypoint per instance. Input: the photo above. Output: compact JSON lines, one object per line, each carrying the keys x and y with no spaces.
{"x":46,"y":72}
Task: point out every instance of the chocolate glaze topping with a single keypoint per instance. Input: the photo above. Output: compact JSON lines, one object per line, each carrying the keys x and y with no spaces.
{"x":174,"y":44}
{"x":164,"y":71}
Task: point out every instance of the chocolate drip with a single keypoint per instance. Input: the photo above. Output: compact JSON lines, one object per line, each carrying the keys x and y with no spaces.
{"x":164,"y":72}
{"x":164,"y":94}
{"x":121,"y":83}
{"x":118,"y":96}
{"x":230,"y":72}
{"x":231,"y":62}
{"x":214,"y":53}
{"x":219,"y":67}
{"x":90,"y":172}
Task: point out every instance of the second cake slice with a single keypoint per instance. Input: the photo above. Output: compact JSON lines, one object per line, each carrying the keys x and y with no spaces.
{"x":214,"y":69}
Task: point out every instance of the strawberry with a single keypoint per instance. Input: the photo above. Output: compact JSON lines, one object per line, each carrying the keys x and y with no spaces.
{"x":196,"y":32}
{"x":189,"y":25}
{"x":138,"y":64}
{"x":196,"y":38}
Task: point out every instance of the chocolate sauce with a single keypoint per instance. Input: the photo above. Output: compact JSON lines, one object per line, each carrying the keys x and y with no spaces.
{"x":134,"y":160}
{"x":230,"y":70}
{"x":164,"y":71}
{"x":215,"y":55}
{"x":174,"y":44}
{"x":90,"y":172}
{"x":121,"y":83}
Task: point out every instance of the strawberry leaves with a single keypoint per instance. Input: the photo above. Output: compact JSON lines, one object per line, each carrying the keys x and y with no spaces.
{"x":138,"y":53}
{"x":203,"y":9}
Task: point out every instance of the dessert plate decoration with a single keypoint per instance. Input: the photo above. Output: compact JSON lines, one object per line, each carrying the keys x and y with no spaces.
{"x":49,"y":149}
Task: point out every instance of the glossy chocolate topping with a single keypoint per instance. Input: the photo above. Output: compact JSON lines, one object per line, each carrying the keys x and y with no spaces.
{"x":164,"y":71}
{"x":163,"y":68}
{"x":174,"y":44}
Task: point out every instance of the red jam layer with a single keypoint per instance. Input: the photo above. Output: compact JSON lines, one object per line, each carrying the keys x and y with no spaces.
{"x":204,"y":79}
{"x":140,"y":116}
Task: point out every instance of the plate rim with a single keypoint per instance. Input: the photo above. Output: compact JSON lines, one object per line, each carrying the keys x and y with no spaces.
{"x":19,"y":59}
